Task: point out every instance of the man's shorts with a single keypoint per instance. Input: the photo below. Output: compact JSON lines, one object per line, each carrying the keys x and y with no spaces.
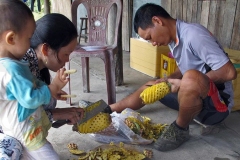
{"x":210,"y":114}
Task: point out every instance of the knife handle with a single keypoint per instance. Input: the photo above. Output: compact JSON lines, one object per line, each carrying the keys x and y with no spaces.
{"x":107,"y":110}
{"x":60,"y":123}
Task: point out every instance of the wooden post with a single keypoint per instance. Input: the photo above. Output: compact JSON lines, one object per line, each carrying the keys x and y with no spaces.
{"x":205,"y":13}
{"x":46,"y":6}
{"x":228,"y":21}
{"x":61,"y":6}
{"x":235,"y":41}
{"x":119,"y":56}
{"x":167,"y":4}
{"x":127,"y":24}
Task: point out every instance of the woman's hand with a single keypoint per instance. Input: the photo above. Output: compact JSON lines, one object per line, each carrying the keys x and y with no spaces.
{"x":74,"y":114}
{"x":61,"y":78}
{"x":59,"y":81}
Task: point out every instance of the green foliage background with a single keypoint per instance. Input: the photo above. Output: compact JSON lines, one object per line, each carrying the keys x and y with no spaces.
{"x":36,"y":13}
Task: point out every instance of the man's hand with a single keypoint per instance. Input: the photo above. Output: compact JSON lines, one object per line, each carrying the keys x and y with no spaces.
{"x":161,"y":80}
{"x":175,"y":84}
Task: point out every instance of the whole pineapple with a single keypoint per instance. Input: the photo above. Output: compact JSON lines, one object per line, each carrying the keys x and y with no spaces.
{"x":155,"y":92}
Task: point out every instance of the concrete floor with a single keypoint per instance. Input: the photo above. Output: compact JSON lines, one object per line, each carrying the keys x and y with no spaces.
{"x":223,"y":143}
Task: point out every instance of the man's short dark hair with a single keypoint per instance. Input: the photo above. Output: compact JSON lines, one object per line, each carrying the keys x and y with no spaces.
{"x":14,"y":15}
{"x":143,"y":16}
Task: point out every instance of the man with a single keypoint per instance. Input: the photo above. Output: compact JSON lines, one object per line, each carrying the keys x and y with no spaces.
{"x":201,"y":86}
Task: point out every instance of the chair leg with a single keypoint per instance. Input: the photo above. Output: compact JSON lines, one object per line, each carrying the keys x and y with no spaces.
{"x":32,"y":5}
{"x":86,"y":30}
{"x":80,"y":31}
{"x":85,"y":74}
{"x":110,"y":79}
{"x":68,"y":86}
{"x":39,"y":5}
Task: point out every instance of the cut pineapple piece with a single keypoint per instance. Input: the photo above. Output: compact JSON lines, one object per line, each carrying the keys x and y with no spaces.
{"x":76,"y":151}
{"x":71,"y":71}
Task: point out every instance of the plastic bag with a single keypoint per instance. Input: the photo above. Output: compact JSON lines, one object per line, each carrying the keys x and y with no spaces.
{"x":118,"y":131}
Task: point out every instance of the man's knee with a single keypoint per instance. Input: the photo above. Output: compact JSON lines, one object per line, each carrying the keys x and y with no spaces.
{"x":195,"y":81}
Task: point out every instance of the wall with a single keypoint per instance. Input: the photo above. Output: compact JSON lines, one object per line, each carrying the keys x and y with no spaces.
{"x":64,"y":7}
{"x":221,"y":17}
{"x":61,"y":6}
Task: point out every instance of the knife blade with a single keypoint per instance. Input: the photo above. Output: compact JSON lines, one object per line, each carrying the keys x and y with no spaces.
{"x":89,"y":112}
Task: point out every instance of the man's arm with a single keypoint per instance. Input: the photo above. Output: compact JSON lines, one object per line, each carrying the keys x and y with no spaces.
{"x":226,"y":73}
{"x":176,"y":74}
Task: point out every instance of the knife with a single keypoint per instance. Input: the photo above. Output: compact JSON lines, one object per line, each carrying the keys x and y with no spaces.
{"x":89,"y":112}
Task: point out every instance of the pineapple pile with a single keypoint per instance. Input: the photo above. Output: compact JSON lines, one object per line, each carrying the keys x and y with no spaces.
{"x":145,"y":128}
{"x":95,"y":124}
{"x":113,"y":152}
{"x":155,"y":92}
{"x":73,"y":148}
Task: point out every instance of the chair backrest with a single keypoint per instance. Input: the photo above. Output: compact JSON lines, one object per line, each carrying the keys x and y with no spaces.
{"x":97,"y":12}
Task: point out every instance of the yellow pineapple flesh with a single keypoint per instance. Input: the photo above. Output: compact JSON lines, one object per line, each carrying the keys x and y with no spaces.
{"x":95,"y":124}
{"x":155,"y":92}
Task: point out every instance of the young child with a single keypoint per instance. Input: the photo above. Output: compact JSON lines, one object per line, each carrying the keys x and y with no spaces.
{"x":21,"y":94}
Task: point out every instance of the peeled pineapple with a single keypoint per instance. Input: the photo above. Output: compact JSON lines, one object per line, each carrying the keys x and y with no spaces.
{"x":95,"y":124}
{"x":155,"y":92}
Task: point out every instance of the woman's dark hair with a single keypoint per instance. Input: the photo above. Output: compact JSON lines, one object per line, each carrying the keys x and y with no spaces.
{"x":143,"y":16}
{"x":56,"y":31}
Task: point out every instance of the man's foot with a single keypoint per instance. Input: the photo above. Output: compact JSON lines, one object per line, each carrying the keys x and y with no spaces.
{"x":171,"y":138}
{"x":209,"y":129}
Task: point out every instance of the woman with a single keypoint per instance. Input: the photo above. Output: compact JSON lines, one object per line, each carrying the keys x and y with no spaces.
{"x":54,"y":39}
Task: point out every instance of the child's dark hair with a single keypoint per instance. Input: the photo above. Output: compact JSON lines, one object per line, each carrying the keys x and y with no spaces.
{"x":143,"y":16}
{"x":14,"y":15}
{"x":56,"y":31}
